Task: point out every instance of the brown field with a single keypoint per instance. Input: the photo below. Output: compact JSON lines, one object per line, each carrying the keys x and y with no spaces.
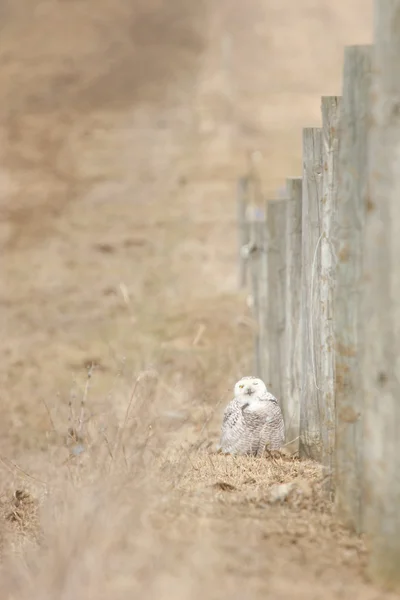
{"x":123,"y":131}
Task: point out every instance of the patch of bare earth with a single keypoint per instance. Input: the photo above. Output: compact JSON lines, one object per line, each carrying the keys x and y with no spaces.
{"x":123,"y":131}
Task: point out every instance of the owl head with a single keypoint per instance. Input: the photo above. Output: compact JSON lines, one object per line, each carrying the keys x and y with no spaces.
{"x":250,"y":387}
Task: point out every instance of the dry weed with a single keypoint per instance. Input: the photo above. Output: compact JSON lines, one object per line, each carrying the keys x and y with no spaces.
{"x":143,"y":510}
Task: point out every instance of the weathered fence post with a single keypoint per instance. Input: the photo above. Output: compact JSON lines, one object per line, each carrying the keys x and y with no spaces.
{"x":310,"y":426}
{"x":330,"y":108}
{"x":257,"y":257}
{"x":261,"y":244}
{"x":276,"y":225}
{"x":381,"y":365}
{"x":293,"y":366}
{"x":263,"y":351}
{"x":244,"y":232}
{"x":352,"y":201}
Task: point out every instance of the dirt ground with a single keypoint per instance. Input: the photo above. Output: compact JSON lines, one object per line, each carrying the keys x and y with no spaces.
{"x":124,"y":127}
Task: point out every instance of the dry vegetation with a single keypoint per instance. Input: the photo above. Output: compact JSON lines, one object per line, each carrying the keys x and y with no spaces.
{"x":119,"y":154}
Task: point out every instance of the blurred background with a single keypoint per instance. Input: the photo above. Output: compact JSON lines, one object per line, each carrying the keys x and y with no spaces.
{"x":124,"y":126}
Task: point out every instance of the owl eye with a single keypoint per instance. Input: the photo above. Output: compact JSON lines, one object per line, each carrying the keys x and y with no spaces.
{"x":241,"y":385}
{"x":255,"y":382}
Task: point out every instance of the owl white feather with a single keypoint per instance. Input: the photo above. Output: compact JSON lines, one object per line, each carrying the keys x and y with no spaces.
{"x":252,"y":421}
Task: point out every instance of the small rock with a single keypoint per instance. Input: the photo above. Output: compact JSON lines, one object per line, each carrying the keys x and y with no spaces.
{"x":280,"y":492}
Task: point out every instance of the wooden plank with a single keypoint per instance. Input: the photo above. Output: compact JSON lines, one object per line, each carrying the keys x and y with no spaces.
{"x":330,"y":108}
{"x":293,"y":363}
{"x":244,"y":228}
{"x":263,"y":349}
{"x":276,"y":224}
{"x":261,"y":248}
{"x":257,"y":226}
{"x":352,"y":200}
{"x":381,"y":323}
{"x":310,"y":426}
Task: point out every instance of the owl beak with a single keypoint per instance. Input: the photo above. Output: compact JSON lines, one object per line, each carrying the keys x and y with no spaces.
{"x":249,"y":392}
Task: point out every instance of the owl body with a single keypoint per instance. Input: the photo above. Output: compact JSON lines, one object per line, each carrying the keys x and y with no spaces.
{"x":252,"y":420}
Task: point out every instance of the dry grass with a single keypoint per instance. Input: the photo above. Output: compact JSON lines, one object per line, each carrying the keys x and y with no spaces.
{"x":143,"y":509}
{"x":125,"y":511}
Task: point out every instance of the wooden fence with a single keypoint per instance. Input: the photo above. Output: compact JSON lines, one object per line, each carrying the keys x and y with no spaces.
{"x":324,"y":266}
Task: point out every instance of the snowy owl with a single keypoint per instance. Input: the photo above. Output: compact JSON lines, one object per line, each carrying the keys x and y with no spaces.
{"x":252,"y":420}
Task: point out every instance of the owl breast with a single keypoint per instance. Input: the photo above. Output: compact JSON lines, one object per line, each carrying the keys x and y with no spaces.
{"x":248,"y":428}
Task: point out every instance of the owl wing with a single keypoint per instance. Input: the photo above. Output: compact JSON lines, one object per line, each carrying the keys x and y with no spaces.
{"x":272,"y":433}
{"x":232,"y":428}
{"x":231,"y":414}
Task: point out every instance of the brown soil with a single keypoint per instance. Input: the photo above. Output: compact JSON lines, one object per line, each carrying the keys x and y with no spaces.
{"x":123,"y":131}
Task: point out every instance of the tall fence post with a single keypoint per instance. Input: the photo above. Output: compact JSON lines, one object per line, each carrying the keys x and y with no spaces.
{"x":276,"y":224}
{"x":244,"y":231}
{"x":310,"y":426}
{"x":381,"y":365}
{"x":352,"y":201}
{"x":263,"y":350}
{"x":330,"y":108}
{"x":293,"y":366}
{"x":261,"y":246}
{"x":257,"y":249}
